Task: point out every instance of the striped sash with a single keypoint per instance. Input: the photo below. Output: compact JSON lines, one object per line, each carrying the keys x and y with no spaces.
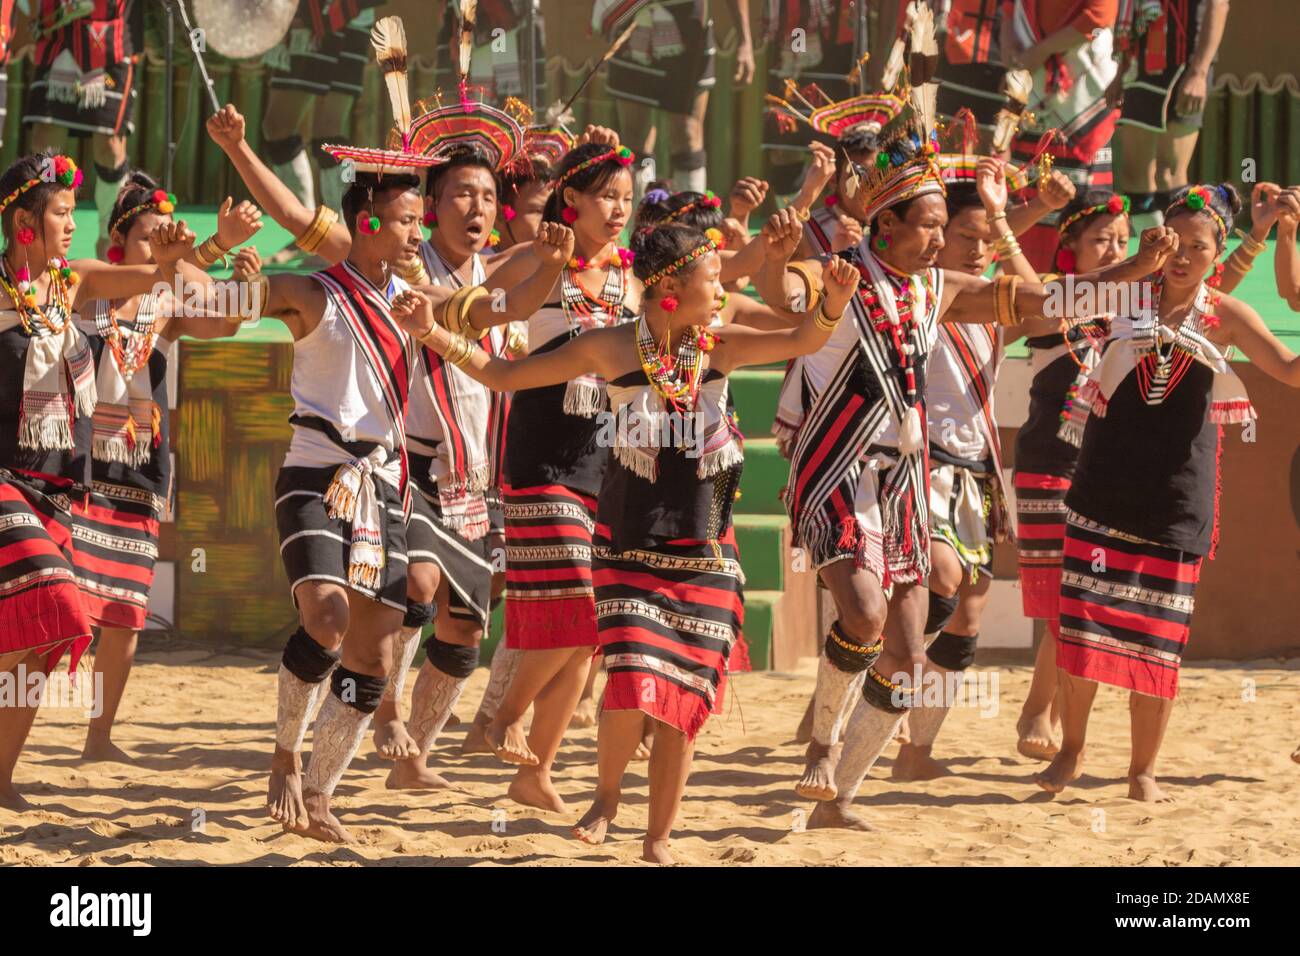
{"x":977,"y":353}
{"x":828,"y":458}
{"x":388,"y":350}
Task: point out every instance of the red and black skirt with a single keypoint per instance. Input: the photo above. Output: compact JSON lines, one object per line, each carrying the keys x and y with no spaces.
{"x":1040,"y":533}
{"x":41,"y":607}
{"x":1126,"y":608}
{"x":549,"y":599}
{"x":116,"y":533}
{"x":668,"y":620}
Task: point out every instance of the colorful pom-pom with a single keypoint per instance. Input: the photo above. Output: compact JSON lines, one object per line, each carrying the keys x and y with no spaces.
{"x":578,"y":264}
{"x":61,"y":164}
{"x":669,"y":303}
{"x":625,"y":156}
{"x":658,"y":195}
{"x":832,"y":200}
{"x":569,"y":215}
{"x":116,"y":254}
{"x":72,"y":278}
{"x":159,"y":195}
{"x":76,"y":179}
{"x":30,"y":299}
{"x":882,"y":161}
{"x":26,"y":236}
{"x":494,"y":239}
{"x":714,"y":235}
{"x":431,"y":219}
{"x":23,"y":274}
{"x":1195,"y":200}
{"x":508,"y":213}
{"x":368,"y":224}
{"x":1115,"y":205}
{"x":626,"y":257}
{"x":165,"y":207}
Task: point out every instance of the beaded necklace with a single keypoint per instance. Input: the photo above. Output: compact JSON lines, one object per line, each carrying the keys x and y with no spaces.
{"x":579,"y":305}
{"x":27,"y":307}
{"x":903,"y":331}
{"x":1159,"y":367}
{"x":677,"y":378}
{"x":131,"y":346}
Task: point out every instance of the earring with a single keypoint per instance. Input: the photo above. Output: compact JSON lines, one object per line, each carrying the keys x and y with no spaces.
{"x":882,"y":242}
{"x":669,"y":303}
{"x":1066,"y":261}
{"x":1214,"y":281}
{"x":368,"y":223}
{"x":431,"y":219}
{"x":508,"y":213}
{"x":116,"y":254}
{"x":25,"y":236}
{"x":569,"y":215}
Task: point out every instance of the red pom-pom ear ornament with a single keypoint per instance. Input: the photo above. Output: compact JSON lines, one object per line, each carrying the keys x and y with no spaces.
{"x":367,"y":223}
{"x":569,"y":215}
{"x":669,"y":303}
{"x":1066,"y":261}
{"x":25,"y":236}
{"x":832,"y":200}
{"x":431,"y":219}
{"x":1216,"y":280}
{"x":508,"y":213}
{"x":116,"y":254}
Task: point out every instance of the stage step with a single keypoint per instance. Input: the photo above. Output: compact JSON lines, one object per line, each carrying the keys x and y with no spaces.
{"x":765,"y":474}
{"x":755,"y":392}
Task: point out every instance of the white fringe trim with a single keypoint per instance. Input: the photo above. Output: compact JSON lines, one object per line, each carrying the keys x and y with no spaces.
{"x":1232,"y":413}
{"x":723,"y":459}
{"x":584,"y":399}
{"x":638,"y":462}
{"x":45,"y":433}
{"x":119,"y":449}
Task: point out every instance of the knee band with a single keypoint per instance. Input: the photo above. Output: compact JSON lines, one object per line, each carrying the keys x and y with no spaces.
{"x":454,"y":660}
{"x":883,"y":694}
{"x":941,"y":611}
{"x":106,"y":175}
{"x":280,"y":151}
{"x":307,"y":660}
{"x":953,"y":652}
{"x":419,"y":614}
{"x":847,"y":654}
{"x":359,"y":691}
{"x":690,"y":159}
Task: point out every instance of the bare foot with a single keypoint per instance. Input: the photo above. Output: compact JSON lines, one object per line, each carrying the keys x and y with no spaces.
{"x":414,"y":775}
{"x":393,"y":742}
{"x":1064,"y":769}
{"x":100,"y":748}
{"x":533,"y":788}
{"x":1035,"y":735}
{"x":1144,"y":787}
{"x":11,"y":799}
{"x":835,"y":815}
{"x":904,"y":733}
{"x":475,"y":741}
{"x":804,"y":734}
{"x":656,"y":851}
{"x":584,"y":715}
{"x":595,"y":822}
{"x":915,"y":763}
{"x":511,"y":745}
{"x":818,"y":781}
{"x":284,"y":794}
{"x":321,"y":824}
{"x":452,"y":721}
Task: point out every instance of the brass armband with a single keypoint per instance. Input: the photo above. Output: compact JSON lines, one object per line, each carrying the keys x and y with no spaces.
{"x":1250,"y":245}
{"x":1004,"y":299}
{"x":814,"y":292}
{"x":210,"y":252}
{"x":319,"y":228}
{"x":259,"y":295}
{"x":454,"y":313}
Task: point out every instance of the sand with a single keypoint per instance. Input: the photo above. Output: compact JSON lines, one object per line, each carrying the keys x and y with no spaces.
{"x":200,"y":722}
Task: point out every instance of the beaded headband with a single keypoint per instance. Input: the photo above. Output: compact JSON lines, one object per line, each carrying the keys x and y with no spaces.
{"x":897,"y":177}
{"x":66,"y":174}
{"x":622,"y":154}
{"x":1198,"y":200}
{"x":707,"y":201}
{"x":1116,"y":205}
{"x":701,"y":250}
{"x":160,"y":200}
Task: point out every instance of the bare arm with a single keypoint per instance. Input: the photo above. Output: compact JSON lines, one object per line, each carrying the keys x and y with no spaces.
{"x":100,"y":280}
{"x":1247,"y":331}
{"x":227,"y":130}
{"x":548,"y":252}
{"x":739,"y":346}
{"x":1054,"y":193}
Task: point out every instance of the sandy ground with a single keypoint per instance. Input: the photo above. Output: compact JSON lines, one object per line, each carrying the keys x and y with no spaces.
{"x":200,"y":723}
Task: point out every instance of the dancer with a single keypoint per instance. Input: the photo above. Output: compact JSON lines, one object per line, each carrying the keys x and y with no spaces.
{"x":1167,"y":49}
{"x":115,"y":526}
{"x":1142,"y":511}
{"x":669,"y":63}
{"x":1094,"y":233}
{"x":1287,"y":257}
{"x":862,"y":516}
{"x":968,"y":504}
{"x":665,"y":571}
{"x":85,"y":85}
{"x":47,"y":394}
